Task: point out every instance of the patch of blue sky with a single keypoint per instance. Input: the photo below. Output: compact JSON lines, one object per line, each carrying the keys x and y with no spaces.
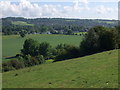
{"x":90,"y":4}
{"x":55,"y":3}
{"x":106,"y":4}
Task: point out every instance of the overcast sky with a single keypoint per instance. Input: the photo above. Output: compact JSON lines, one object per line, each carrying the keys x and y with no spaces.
{"x":82,"y":9}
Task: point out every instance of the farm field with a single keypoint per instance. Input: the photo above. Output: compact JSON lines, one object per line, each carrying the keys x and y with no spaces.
{"x":12,"y":44}
{"x":22,"y":23}
{"x":94,"y":71}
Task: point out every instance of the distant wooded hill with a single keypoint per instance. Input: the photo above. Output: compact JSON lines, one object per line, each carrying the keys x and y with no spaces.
{"x":12,"y":25}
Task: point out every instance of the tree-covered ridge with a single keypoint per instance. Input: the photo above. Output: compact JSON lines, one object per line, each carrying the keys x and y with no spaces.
{"x":64,"y":21}
{"x":52,"y":25}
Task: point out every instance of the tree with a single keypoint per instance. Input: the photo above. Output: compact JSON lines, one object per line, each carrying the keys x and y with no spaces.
{"x":60,"y":46}
{"x":44,"y":49}
{"x":30,"y":47}
{"x":22,"y":33}
{"x":44,"y":28}
{"x":117,"y":28}
{"x":69,"y":32}
{"x":98,"y":39}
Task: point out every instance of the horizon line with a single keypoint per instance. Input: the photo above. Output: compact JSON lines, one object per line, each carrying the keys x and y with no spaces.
{"x":58,"y":18}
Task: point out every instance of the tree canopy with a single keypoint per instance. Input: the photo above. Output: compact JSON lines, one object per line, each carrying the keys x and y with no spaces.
{"x":98,"y":39}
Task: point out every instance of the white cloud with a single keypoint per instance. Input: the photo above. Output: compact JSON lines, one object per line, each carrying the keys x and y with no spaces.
{"x":27,"y":9}
{"x":103,"y":10}
{"x":66,"y":0}
{"x":80,"y":4}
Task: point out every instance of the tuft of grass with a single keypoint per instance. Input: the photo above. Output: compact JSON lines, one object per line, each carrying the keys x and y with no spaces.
{"x":49,"y":61}
{"x":94,"y":71}
{"x":78,"y":33}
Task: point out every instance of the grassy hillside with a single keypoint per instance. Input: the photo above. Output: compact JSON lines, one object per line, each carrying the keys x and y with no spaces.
{"x":94,"y":71}
{"x":12,"y":44}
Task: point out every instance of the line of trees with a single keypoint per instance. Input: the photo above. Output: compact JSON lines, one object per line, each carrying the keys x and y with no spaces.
{"x":11,"y":29}
{"x":53,"y":25}
{"x":98,"y":39}
{"x":22,"y":62}
{"x":59,"y":22}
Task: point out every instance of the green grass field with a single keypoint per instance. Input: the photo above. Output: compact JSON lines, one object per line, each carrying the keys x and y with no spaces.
{"x":12,"y":44}
{"x":95,"y":71}
{"x":108,"y":22}
{"x":21,"y":23}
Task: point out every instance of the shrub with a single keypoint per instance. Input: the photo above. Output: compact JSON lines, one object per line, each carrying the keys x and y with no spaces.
{"x":12,"y":65}
{"x":28,"y":61}
{"x":6,"y":66}
{"x":67,"y":52}
{"x":34,"y":61}
{"x":17,"y":64}
{"x":21,"y":60}
{"x":40,"y":59}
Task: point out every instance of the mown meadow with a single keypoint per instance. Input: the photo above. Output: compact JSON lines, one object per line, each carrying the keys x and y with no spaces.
{"x":22,"y":23}
{"x":12,"y":44}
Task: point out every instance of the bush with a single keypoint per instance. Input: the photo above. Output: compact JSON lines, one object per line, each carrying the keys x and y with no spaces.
{"x":21,"y":60}
{"x":40,"y":59}
{"x":12,"y":65}
{"x":34,"y":61}
{"x":28,"y":61}
{"x":6,"y":66}
{"x":66,"y":52}
{"x":17,"y":64}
